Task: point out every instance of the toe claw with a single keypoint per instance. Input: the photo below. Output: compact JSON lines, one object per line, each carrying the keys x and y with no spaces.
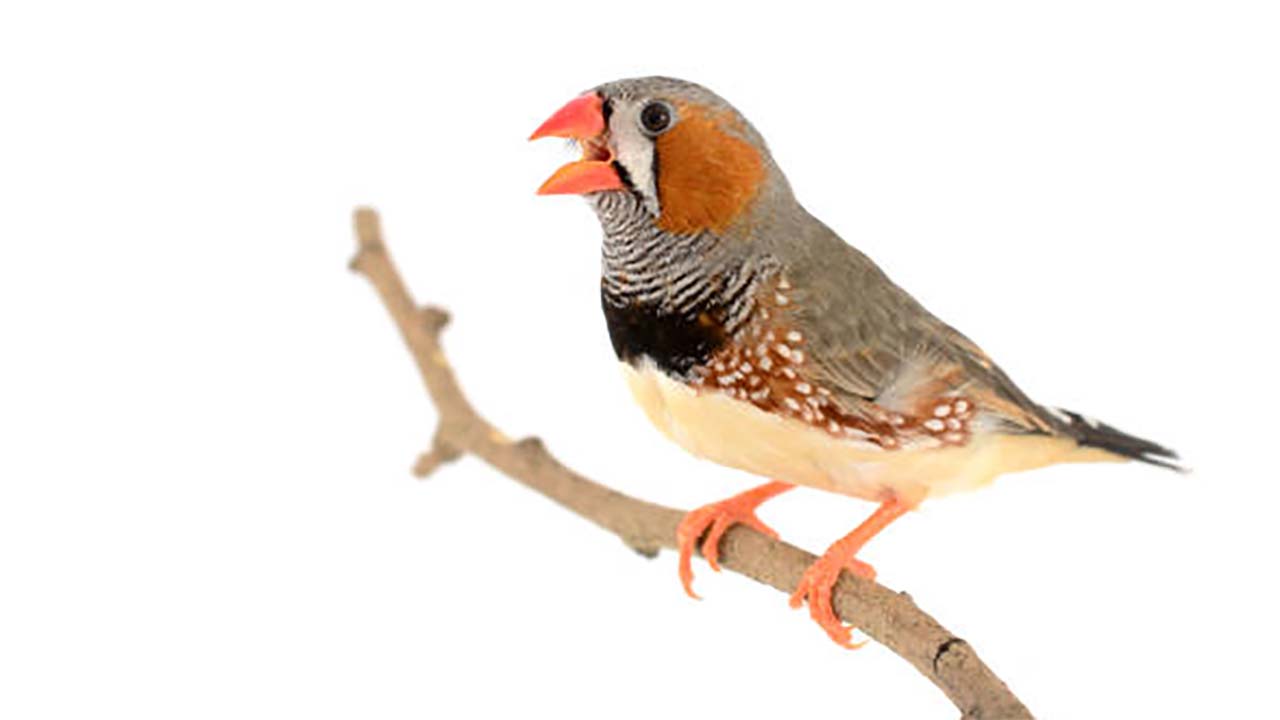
{"x":686,"y":535}
{"x":686,"y":576}
{"x":711,"y":546}
{"x":758,"y":525}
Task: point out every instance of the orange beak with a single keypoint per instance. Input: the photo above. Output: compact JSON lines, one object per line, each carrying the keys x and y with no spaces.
{"x":582,"y":119}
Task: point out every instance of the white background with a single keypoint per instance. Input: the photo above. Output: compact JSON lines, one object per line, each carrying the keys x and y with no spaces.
{"x":205,"y":505}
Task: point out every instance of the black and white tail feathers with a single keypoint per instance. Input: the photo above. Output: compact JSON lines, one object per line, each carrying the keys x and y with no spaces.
{"x":1091,"y":433}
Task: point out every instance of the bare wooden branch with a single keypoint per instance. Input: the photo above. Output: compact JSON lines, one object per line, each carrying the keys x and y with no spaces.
{"x":888,"y":617}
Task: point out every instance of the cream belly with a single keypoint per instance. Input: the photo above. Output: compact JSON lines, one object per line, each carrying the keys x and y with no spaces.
{"x":735,"y":433}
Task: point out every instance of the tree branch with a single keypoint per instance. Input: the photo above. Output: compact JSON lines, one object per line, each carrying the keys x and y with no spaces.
{"x":888,"y":617}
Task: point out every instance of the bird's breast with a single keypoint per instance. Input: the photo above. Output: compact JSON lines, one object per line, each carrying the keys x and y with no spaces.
{"x":675,"y":341}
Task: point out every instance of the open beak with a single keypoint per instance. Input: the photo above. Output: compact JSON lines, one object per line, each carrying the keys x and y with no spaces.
{"x":582,"y":119}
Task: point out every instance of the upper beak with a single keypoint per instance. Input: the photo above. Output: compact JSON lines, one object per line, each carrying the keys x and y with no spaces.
{"x":582,"y":119}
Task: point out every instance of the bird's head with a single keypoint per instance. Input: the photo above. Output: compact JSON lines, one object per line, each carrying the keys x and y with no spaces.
{"x":690,"y":159}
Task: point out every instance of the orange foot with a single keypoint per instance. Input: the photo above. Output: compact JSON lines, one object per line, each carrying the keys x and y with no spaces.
{"x":819,"y":580}
{"x":714,"y":520}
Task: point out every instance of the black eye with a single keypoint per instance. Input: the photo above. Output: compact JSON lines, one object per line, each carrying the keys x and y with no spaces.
{"x":655,"y":117}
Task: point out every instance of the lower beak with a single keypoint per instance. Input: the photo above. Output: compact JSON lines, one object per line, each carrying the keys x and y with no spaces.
{"x":582,"y":119}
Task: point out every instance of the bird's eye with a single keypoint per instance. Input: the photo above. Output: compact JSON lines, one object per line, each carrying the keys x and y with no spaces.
{"x":655,"y":118}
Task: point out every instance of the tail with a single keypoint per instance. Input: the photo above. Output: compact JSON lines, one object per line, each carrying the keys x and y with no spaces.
{"x":1091,"y":433}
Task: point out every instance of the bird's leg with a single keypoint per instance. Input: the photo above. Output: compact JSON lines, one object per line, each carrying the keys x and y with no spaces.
{"x":714,"y":520}
{"x":820,"y":578}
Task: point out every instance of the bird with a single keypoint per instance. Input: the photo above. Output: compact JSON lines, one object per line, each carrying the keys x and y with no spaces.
{"x":753,"y":336}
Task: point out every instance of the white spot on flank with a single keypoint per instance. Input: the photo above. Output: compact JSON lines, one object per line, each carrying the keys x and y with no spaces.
{"x":804,"y":388}
{"x":797,"y":357}
{"x":783,"y":284}
{"x":791,"y":403}
{"x":935,"y":425}
{"x":953,"y":423}
{"x":783,"y":350}
{"x":942,"y":411}
{"x":962,"y":405}
{"x":766,"y":362}
{"x":789,"y":373}
{"x":780,"y":299}
{"x":794,"y":336}
{"x":852,"y":431}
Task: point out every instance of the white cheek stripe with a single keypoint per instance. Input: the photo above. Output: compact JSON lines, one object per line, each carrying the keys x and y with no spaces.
{"x":634,"y":150}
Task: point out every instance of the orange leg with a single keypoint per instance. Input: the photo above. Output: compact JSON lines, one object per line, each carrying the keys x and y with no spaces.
{"x":819,"y":580}
{"x":714,"y":520}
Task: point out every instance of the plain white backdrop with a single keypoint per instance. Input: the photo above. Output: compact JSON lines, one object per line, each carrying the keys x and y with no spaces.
{"x":205,"y":504}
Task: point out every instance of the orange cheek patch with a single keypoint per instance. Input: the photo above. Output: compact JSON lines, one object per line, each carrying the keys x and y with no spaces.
{"x":706,"y":176}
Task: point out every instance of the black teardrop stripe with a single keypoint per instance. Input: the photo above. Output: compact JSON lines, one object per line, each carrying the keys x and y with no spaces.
{"x":676,"y":342}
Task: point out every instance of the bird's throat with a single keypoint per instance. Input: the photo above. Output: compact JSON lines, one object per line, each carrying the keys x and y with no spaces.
{"x":673,"y":299}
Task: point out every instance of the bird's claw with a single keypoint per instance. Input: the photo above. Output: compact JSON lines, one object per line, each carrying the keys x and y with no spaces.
{"x":817,"y":586}
{"x":714,"y":520}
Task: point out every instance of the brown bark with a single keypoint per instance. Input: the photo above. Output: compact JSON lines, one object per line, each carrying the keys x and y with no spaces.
{"x":891,"y":618}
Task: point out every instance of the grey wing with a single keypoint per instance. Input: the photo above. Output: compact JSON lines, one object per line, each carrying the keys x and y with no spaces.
{"x":874,"y":346}
{"x":871,"y":342}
